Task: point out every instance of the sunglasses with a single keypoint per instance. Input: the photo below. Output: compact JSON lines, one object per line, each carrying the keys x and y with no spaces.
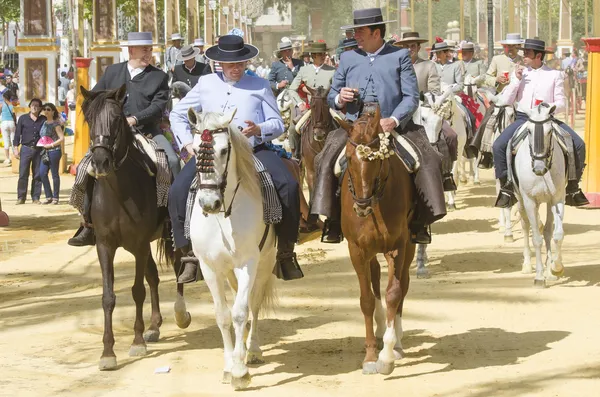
{"x":47,"y":109}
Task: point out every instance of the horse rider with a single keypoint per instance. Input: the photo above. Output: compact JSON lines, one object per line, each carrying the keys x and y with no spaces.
{"x":314,"y":75}
{"x":259,"y":116}
{"x":147,"y":96}
{"x":528,"y":86}
{"x":451,"y":73}
{"x":199,"y":44}
{"x":504,"y":64}
{"x":190,"y":70}
{"x":284,"y":69}
{"x":348,"y":45}
{"x":172,"y":53}
{"x":474,"y":67}
{"x":383,"y":74}
{"x":428,"y":80}
{"x":348,"y":35}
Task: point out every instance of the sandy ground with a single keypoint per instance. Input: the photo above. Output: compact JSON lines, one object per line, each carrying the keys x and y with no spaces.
{"x":476,"y":328}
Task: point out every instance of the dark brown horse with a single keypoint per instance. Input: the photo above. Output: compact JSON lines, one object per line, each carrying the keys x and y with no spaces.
{"x":377,"y":206}
{"x":125,"y":214}
{"x":313,"y":138}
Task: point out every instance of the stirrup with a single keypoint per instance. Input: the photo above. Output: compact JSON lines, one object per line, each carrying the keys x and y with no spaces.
{"x":506,"y":198}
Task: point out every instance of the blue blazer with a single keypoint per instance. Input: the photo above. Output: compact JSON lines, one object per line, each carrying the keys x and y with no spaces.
{"x":389,"y":79}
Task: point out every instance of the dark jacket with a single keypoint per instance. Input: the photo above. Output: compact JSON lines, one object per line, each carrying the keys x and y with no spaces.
{"x":181,"y":73}
{"x":147,"y":94}
{"x":280,"y":72}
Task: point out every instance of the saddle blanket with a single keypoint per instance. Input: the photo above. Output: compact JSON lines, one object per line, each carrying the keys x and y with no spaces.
{"x":160,"y":171}
{"x":403,"y":148}
{"x":272,"y":211}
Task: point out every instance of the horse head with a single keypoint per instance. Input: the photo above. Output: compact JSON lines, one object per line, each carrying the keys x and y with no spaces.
{"x":428,"y":118}
{"x":109,"y":130}
{"x":284,"y":100}
{"x":321,"y":120}
{"x":470,"y":85}
{"x":223,"y":160}
{"x":366,"y":151}
{"x":540,"y":137}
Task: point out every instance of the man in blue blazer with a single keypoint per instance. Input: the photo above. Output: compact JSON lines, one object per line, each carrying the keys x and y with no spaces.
{"x":259,"y":119}
{"x":382,"y":74}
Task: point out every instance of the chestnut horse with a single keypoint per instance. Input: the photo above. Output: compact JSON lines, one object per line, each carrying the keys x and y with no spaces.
{"x":377,"y":207}
{"x":313,"y":138}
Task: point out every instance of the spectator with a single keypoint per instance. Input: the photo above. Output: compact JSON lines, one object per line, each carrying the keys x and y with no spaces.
{"x":27,"y":135}
{"x":11,"y":85}
{"x":8,"y":123}
{"x":52,"y":132}
{"x":3,"y":87}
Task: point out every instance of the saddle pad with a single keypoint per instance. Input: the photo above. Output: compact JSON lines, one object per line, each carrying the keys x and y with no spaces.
{"x":272,"y":211}
{"x":403,"y":148}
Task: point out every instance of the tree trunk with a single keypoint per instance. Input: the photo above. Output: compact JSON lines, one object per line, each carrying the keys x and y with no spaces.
{"x":4,"y":40}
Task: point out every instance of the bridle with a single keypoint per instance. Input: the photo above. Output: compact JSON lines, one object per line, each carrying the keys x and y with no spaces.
{"x":317,"y":121}
{"x":205,"y":165}
{"x":547,"y":154}
{"x":112,"y":148}
{"x":379,"y":186}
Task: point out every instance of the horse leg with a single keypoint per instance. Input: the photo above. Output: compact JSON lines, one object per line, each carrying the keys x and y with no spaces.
{"x":240,"y":377}
{"x":475,"y":171}
{"x":183,"y":318}
{"x":379,"y":312}
{"x":263,"y":286}
{"x":508,"y":234}
{"x":422,"y":271}
{"x":451,"y":203}
{"x":387,"y":355}
{"x":153,"y":332}
{"x":216,"y":285}
{"x":525,"y":225}
{"x":532,"y":210}
{"x":557,"y":264}
{"x":106,"y":256}
{"x":138,"y":291}
{"x":367,"y":305}
{"x":404,"y":283}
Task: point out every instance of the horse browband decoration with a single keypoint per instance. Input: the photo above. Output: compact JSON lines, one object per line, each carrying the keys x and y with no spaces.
{"x":364,"y":152}
{"x":206,"y":154}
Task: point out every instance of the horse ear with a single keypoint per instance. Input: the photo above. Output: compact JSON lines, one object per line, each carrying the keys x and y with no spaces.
{"x":311,"y":90}
{"x":121,"y":93}
{"x":86,"y":94}
{"x":345,"y":124}
{"x":192,"y":116}
{"x":552,"y":109}
{"x":377,"y":113}
{"x":422,"y":96}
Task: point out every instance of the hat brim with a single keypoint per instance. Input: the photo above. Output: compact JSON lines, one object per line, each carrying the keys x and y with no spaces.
{"x":512,"y":42}
{"x":411,"y":40}
{"x":320,"y":51}
{"x":247,"y":53}
{"x":186,"y":58}
{"x":444,"y":49}
{"x":365,"y":24}
{"x":547,"y":51}
{"x":141,"y":43}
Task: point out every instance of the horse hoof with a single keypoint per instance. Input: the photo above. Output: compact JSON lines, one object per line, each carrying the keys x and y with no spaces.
{"x":509,"y":239}
{"x":151,"y":335}
{"x":379,"y":343}
{"x":254,"y":358}
{"x":451,"y":207}
{"x":398,"y":354}
{"x":138,"y":350}
{"x":226,"y":377}
{"x":539,"y":283}
{"x":241,"y":383}
{"x":526,"y":270}
{"x":463,"y":180}
{"x":551,"y":277}
{"x":384,"y":368}
{"x":423,"y":274}
{"x":369,"y":368}
{"x":107,"y":363}
{"x":183,"y":321}
{"x":558,"y":273}
{"x":476,"y":183}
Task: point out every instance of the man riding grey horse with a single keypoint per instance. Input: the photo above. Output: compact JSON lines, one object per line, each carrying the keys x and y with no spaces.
{"x":380,"y":74}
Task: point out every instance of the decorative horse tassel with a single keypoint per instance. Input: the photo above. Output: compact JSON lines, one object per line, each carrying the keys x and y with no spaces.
{"x":205,"y":159}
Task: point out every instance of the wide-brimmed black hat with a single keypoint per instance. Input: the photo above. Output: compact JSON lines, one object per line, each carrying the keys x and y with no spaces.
{"x":366,"y":17}
{"x":410,"y":37}
{"x":231,"y":49}
{"x":536,"y":45}
{"x":347,"y":43}
{"x":443,"y":46}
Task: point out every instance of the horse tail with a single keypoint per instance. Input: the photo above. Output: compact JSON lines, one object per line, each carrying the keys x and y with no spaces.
{"x":267,"y":296}
{"x":165,"y":247}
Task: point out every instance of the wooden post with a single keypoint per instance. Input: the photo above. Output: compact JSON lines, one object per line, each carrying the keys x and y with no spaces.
{"x":591,"y":175}
{"x":412,"y":15}
{"x":511,"y":16}
{"x":171,"y":19}
{"x":147,"y":17}
{"x":532,"y":23}
{"x":430,"y":20}
{"x":82,"y":130}
{"x":461,"y":17}
{"x":596,"y":20}
{"x":209,"y":27}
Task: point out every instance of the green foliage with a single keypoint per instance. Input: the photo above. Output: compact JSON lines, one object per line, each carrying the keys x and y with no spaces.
{"x":10,"y":10}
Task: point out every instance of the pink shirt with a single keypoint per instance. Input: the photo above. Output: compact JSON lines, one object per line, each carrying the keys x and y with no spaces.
{"x":543,"y":83}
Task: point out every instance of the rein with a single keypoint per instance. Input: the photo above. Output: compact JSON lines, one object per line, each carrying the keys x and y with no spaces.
{"x":205,"y":165}
{"x":112,"y":149}
{"x":538,"y":143}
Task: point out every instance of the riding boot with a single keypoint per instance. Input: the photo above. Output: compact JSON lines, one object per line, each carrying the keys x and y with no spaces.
{"x":486,"y":162}
{"x":190,"y":267}
{"x":449,"y":184}
{"x":575,"y":196}
{"x":506,"y":197}
{"x":420,"y":233}
{"x":287,"y":267}
{"x":84,"y":236}
{"x":332,"y":231}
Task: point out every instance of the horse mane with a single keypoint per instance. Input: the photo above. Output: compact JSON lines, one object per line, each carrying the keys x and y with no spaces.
{"x":244,"y":161}
{"x":98,"y":115}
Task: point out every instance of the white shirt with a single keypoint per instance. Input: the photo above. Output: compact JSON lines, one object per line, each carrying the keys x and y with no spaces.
{"x":134,"y":72}
{"x":317,"y":68}
{"x":374,"y":55}
{"x":543,"y":84}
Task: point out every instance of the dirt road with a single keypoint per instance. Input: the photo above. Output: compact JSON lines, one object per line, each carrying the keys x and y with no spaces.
{"x":477,"y":328}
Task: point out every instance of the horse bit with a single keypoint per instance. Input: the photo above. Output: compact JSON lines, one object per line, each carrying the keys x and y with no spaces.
{"x":112,"y":149}
{"x":205,"y":164}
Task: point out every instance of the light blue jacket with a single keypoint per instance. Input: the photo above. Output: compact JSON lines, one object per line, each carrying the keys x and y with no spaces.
{"x":252,"y":96}
{"x":389,"y":79}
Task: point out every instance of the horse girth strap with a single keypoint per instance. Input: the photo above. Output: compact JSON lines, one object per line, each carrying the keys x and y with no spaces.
{"x":263,"y":240}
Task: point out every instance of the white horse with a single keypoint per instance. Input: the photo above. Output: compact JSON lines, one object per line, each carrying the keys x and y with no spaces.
{"x":284,"y":104}
{"x":226,"y":231}
{"x":432,"y":122}
{"x":540,"y":178}
{"x":508,"y":117}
